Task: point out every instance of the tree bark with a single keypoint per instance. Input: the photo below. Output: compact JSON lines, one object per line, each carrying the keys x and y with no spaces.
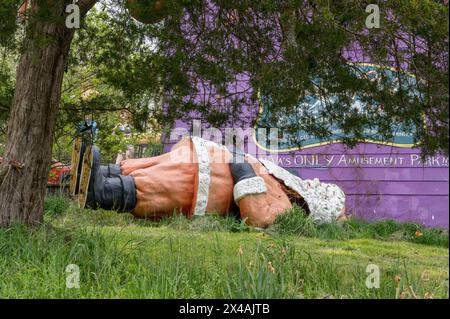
{"x":23,"y":173}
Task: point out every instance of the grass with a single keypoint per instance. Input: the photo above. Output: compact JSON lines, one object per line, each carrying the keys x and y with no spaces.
{"x":295,"y":222}
{"x":213,"y":257}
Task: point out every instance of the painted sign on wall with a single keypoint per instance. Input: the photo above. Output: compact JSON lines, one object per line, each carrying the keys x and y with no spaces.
{"x":315,"y":105}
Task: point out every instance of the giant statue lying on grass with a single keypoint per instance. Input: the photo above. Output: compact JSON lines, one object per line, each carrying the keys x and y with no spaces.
{"x":200,"y":177}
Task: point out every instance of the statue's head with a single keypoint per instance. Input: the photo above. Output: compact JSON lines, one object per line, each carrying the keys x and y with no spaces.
{"x":147,"y":11}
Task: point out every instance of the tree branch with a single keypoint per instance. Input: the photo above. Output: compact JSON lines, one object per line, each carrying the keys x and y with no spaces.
{"x":86,"y":5}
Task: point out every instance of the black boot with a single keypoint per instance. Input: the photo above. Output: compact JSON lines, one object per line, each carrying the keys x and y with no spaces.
{"x":110,"y":170}
{"x":111,"y":193}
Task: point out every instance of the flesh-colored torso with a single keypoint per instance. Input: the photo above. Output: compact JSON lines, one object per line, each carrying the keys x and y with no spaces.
{"x":168,"y":183}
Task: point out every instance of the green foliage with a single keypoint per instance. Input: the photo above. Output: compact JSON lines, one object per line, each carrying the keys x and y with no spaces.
{"x":282,"y":47}
{"x":6,"y":85}
{"x":8,"y":25}
{"x":317,"y":35}
{"x":123,"y":257}
{"x":6,"y":94}
{"x":56,"y":205}
{"x":153,"y":149}
{"x":9,"y":40}
{"x":109,"y":81}
{"x":296,"y":222}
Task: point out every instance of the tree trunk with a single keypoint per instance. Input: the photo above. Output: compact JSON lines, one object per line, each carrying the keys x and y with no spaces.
{"x":23,"y":173}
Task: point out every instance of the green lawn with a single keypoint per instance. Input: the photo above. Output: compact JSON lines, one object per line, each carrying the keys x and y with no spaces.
{"x":122,"y":257}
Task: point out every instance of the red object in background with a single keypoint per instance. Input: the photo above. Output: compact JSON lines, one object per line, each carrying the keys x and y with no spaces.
{"x":58,"y":171}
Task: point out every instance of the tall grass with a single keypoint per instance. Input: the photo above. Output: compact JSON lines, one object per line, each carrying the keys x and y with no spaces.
{"x":292,"y":223}
{"x":56,"y":205}
{"x":205,"y":223}
{"x":213,"y":257}
{"x":296,"y":222}
{"x":33,"y":263}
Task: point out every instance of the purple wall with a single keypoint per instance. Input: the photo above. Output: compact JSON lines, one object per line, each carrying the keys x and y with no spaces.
{"x":380,"y":181}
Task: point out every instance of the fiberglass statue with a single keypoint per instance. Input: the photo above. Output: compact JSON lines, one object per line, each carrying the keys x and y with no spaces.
{"x":200,"y":177}
{"x":197,"y":177}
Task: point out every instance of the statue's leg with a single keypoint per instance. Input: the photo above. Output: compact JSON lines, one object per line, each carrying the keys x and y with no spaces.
{"x":179,"y":153}
{"x":78,"y":151}
{"x":110,"y":170}
{"x":164,"y":189}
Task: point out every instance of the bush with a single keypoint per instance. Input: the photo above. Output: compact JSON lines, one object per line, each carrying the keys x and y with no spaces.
{"x":55,"y":205}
